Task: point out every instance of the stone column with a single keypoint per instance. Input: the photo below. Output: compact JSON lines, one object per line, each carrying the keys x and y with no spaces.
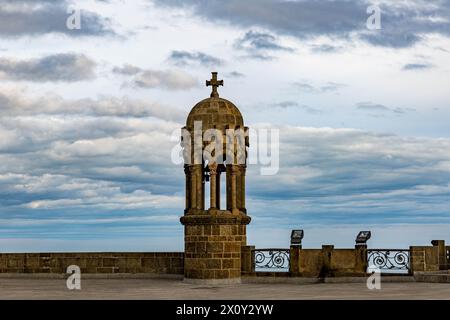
{"x":243,"y":188}
{"x":197,"y":187}
{"x":416,"y":259}
{"x":228,"y":187}
{"x":193,"y":188}
{"x":188,"y":187}
{"x":327,"y":251}
{"x":213,"y":185}
{"x":247,"y":259}
{"x":238,"y":187}
{"x":233,"y":188}
{"x":294,"y":260}
{"x":218,"y":190}
{"x":441,"y":253}
{"x":361,"y":264}
{"x":201,"y":188}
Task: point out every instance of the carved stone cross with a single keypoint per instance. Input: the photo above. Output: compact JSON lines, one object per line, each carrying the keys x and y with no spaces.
{"x":214,"y":83}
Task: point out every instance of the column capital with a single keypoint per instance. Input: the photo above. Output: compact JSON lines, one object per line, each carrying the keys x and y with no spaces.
{"x":194,"y":168}
{"x":213,"y":168}
{"x":242,"y":168}
{"x":234,"y":169}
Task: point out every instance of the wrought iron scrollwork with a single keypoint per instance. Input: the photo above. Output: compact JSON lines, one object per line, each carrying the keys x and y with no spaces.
{"x":388,"y":259}
{"x":272,"y":259}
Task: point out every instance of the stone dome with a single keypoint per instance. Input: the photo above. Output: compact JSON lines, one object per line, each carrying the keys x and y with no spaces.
{"x":215,"y":112}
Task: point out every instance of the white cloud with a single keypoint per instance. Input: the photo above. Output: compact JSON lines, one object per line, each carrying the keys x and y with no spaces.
{"x":165,"y":79}
{"x":16,"y":102}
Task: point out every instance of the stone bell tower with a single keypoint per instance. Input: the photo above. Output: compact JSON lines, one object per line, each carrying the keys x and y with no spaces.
{"x":215,"y":143}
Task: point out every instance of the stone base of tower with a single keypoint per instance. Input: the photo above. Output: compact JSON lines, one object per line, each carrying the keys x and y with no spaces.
{"x":213,"y":247}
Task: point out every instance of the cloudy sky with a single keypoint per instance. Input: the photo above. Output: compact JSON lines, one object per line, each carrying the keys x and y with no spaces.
{"x":87,"y":118}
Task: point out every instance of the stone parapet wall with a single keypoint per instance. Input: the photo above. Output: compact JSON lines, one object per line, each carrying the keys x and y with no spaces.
{"x":93,"y":262}
{"x":328,"y":262}
{"x":429,"y":258}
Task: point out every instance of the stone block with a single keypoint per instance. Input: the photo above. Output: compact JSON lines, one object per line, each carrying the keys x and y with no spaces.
{"x":200,"y":247}
{"x":221,"y":274}
{"x":232,"y":247}
{"x":105,"y":270}
{"x":146,"y":263}
{"x":207,"y":230}
{"x":234,"y":273}
{"x":15,"y":263}
{"x":215,"y":230}
{"x":190,"y":246}
{"x":3,"y":262}
{"x":214,"y":246}
{"x":228,"y":263}
{"x":109,"y":262}
{"x":208,"y":274}
{"x":227,"y":230}
{"x":193,"y":274}
{"x":213,"y":264}
{"x":176,"y":262}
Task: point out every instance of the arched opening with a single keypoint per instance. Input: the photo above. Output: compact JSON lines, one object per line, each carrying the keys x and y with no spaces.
{"x":223,"y":191}
{"x":206,"y":185}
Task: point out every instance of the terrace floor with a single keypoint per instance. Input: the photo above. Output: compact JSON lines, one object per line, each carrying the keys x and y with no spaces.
{"x":37,"y":288}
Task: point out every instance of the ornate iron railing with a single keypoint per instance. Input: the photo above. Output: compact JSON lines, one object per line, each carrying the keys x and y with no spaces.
{"x":389,"y":260}
{"x":272,"y":260}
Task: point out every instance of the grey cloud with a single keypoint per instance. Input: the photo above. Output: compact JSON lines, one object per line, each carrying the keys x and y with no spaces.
{"x":171,"y":80}
{"x":331,"y":86}
{"x":369,"y":106}
{"x":254,"y":40}
{"x":417,"y":66}
{"x":235,"y":74}
{"x":105,"y":141}
{"x":391,"y":39}
{"x":17,"y":103}
{"x":258,"y":45}
{"x":403,"y":24}
{"x":67,"y":67}
{"x":301,"y":18}
{"x":183,"y":58}
{"x":310,"y":88}
{"x":303,"y":86}
{"x":294,"y":104}
{"x":165,"y":79}
{"x":257,"y":56}
{"x":324,"y":173}
{"x":348,"y":172}
{"x":28,"y":18}
{"x":86,"y":166}
{"x":127,"y":69}
{"x":325,"y":48}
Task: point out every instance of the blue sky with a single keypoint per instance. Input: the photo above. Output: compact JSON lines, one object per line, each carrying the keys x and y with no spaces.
{"x":87,"y":118}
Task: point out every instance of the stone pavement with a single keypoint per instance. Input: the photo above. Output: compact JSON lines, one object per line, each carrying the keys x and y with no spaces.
{"x":33,"y":288}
